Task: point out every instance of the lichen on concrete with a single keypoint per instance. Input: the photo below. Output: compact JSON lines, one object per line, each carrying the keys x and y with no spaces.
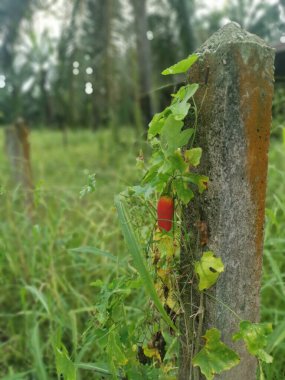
{"x":233,"y":131}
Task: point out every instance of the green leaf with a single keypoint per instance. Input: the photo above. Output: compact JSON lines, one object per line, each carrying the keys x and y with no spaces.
{"x":181,"y":66}
{"x":184,"y":137}
{"x":208,"y":269}
{"x":159,"y":181}
{"x":177,"y":162}
{"x":64,"y":366}
{"x":199,"y":180}
{"x":156,"y":124}
{"x":180,"y":110}
{"x":179,"y":106}
{"x":215,"y":357}
{"x":114,"y":350}
{"x":170,"y":133}
{"x":146,"y":190}
{"x":255,"y":338}
{"x":193,"y":156}
{"x":171,"y":136}
{"x":138,"y":257}
{"x":185,"y":92}
{"x":157,"y":175}
{"x":184,"y":193}
{"x":151,"y":173}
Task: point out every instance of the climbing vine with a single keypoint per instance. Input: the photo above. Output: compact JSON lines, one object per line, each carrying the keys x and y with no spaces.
{"x":170,"y":178}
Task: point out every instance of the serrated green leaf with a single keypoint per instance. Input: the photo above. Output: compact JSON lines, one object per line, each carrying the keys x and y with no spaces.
{"x":193,"y":156}
{"x":208,"y":269}
{"x":146,"y":191}
{"x":180,"y":110}
{"x":151,"y":173}
{"x":184,"y":137}
{"x":184,"y":193}
{"x":179,"y":106}
{"x":159,"y":180}
{"x":177,"y":162}
{"x":170,"y":133}
{"x":185,"y":92}
{"x":138,"y":257}
{"x":166,"y":167}
{"x":199,"y":180}
{"x":171,"y":136}
{"x":215,"y":357}
{"x":181,"y":66}
{"x":156,"y":124}
{"x":255,"y":338}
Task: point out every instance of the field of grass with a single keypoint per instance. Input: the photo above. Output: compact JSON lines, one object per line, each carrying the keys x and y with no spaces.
{"x":50,"y":291}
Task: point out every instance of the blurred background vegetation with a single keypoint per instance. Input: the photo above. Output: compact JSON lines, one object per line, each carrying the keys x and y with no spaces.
{"x":94,"y":63}
{"x":85,"y":76}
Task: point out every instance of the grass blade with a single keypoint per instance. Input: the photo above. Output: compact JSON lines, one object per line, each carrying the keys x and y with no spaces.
{"x":37,"y":353}
{"x":17,"y":376}
{"x":276,"y":337}
{"x":139,"y":261}
{"x":94,"y":251}
{"x":39,"y":296}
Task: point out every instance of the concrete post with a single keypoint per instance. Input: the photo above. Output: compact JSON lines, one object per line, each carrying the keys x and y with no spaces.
{"x":235,"y":73}
{"x":18,"y":151}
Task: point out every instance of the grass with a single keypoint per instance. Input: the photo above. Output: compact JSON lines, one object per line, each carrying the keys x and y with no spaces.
{"x":273,"y":284}
{"x":47,"y":286}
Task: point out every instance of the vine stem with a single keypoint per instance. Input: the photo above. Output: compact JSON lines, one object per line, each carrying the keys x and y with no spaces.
{"x":199,"y":331}
{"x":225,"y":306}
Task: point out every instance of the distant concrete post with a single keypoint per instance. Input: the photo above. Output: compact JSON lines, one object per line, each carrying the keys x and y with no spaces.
{"x":235,"y":73}
{"x":18,"y":151}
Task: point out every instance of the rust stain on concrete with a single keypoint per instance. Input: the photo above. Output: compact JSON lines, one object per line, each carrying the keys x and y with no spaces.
{"x":256,"y":91}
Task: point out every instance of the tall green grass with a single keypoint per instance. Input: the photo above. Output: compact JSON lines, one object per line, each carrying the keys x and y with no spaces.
{"x":273,"y":284}
{"x":45,"y":282}
{"x":49,"y":297}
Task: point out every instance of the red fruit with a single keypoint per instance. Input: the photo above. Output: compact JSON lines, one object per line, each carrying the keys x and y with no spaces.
{"x":165,"y":212}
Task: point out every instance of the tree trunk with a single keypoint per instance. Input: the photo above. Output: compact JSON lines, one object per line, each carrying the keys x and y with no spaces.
{"x":144,"y":59}
{"x":235,"y":73}
{"x":108,"y":55}
{"x":184,"y":10}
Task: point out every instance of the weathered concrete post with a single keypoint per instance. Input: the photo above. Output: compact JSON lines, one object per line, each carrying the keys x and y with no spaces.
{"x":18,"y":151}
{"x":235,"y":73}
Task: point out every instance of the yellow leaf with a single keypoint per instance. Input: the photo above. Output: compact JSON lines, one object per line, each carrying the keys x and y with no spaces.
{"x":172,"y":302}
{"x":152,"y":353}
{"x":159,"y":290}
{"x":163,"y":273}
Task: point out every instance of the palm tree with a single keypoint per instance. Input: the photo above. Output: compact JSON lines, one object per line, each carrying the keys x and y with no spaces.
{"x":11,"y":14}
{"x":35,"y":67}
{"x":261,"y":18}
{"x":185,"y":10}
{"x":143,"y":58}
